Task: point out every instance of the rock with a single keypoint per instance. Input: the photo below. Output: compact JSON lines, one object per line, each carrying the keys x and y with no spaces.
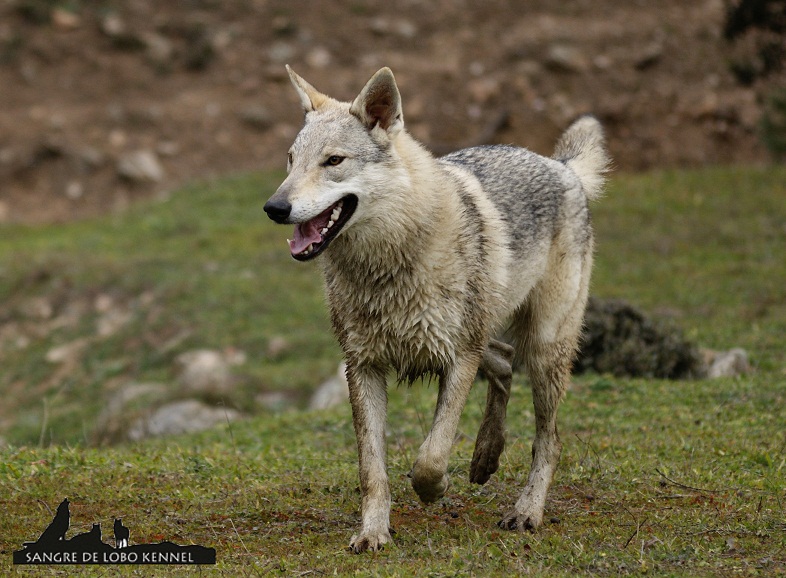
{"x":124,"y":407}
{"x":91,"y":157}
{"x":140,"y":166}
{"x":274,"y":400}
{"x":39,"y":308}
{"x":649,"y":56}
{"x":283,"y":25}
{"x":619,"y":339}
{"x":205,"y":372}
{"x":67,"y":353}
{"x":319,"y":57}
{"x":74,"y":190}
{"x":281,"y":52}
{"x":277,"y":346}
{"x":258,"y":117}
{"x":179,"y":417}
{"x":566,"y":58}
{"x":65,"y":20}
{"x":112,"y":321}
{"x":113,"y":26}
{"x":333,"y":392}
{"x":483,"y":89}
{"x":730,"y":363}
{"x":158,"y":50}
{"x":394,"y":27}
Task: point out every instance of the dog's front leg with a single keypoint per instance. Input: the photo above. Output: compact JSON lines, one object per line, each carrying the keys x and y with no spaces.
{"x":368,"y":396}
{"x":429,"y":474}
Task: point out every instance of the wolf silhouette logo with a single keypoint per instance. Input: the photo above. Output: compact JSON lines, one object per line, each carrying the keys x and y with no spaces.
{"x":121,"y":534}
{"x":52,"y":547}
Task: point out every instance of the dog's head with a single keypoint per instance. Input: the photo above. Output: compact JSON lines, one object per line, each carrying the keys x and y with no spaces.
{"x":343,"y":155}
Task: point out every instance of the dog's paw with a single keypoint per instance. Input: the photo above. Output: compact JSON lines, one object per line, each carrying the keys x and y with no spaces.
{"x":522,"y":521}
{"x":485,"y":458}
{"x":369,"y":541}
{"x":430,"y":489}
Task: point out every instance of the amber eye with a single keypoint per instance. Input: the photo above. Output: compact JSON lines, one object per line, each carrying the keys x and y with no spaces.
{"x":334,"y":161}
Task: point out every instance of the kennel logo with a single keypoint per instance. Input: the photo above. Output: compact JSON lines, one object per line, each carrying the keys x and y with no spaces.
{"x":52,"y":547}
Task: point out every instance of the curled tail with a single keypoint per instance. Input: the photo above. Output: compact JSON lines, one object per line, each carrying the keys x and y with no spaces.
{"x":583,"y":149}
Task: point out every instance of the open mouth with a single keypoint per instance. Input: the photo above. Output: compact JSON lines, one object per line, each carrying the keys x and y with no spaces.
{"x":314,"y":235}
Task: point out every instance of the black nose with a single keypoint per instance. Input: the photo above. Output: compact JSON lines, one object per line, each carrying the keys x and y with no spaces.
{"x":278,"y":210}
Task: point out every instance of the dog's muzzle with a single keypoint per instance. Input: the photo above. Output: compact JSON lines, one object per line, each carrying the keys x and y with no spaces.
{"x":278,"y":210}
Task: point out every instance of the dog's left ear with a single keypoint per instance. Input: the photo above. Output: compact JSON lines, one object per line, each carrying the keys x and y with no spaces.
{"x":310,"y":97}
{"x":379,"y":103}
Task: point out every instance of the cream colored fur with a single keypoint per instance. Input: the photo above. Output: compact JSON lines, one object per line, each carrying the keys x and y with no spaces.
{"x":431,"y":265}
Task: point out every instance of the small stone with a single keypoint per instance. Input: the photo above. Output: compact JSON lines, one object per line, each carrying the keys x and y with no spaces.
{"x":113,"y":26}
{"x":281,"y":52}
{"x":158,"y":49}
{"x":332,"y":392}
{"x":566,"y":58}
{"x":74,"y":190}
{"x":649,"y":56}
{"x":67,"y":353}
{"x":319,"y":57}
{"x":258,"y":117}
{"x":483,"y":89}
{"x":92,"y":157}
{"x":277,"y":346}
{"x":393,"y":27}
{"x":730,"y":363}
{"x":204,"y":372}
{"x":37,"y":308}
{"x":179,"y":417}
{"x":283,"y":25}
{"x":168,"y":148}
{"x":140,"y":166}
{"x":65,"y":20}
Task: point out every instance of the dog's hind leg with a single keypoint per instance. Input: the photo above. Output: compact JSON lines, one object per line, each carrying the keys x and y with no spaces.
{"x":496,"y":366}
{"x":429,"y":473}
{"x":368,"y":396}
{"x":547,"y":330}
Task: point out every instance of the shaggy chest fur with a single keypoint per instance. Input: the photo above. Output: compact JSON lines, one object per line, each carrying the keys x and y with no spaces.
{"x":405,"y":312}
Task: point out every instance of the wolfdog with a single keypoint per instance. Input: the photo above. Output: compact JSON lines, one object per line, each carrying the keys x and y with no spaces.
{"x":443,"y":266}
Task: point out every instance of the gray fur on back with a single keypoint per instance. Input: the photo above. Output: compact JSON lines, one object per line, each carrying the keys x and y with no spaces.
{"x":525,"y":187}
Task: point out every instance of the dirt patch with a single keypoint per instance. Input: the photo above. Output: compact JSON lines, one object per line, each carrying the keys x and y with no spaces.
{"x":106,"y":102}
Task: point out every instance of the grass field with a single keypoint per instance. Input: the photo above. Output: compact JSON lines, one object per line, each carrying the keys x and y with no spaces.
{"x":657,"y":477}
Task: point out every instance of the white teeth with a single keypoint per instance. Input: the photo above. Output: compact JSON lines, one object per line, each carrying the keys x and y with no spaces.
{"x":325,"y":230}
{"x":336,"y":212}
{"x":289,"y":243}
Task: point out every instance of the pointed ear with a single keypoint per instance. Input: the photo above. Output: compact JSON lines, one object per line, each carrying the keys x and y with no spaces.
{"x":380,"y":103}
{"x":310,"y":97}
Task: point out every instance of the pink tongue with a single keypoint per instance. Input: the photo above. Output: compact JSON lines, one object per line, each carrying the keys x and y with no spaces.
{"x":305,"y":234}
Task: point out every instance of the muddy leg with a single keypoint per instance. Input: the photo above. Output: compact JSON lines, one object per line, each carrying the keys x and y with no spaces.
{"x":549,"y":370}
{"x":368,"y":396}
{"x":429,"y":473}
{"x":496,"y":364}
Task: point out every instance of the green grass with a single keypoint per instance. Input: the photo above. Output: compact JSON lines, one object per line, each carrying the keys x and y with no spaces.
{"x":657,"y":477}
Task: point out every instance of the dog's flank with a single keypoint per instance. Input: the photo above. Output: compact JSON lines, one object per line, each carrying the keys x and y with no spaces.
{"x":425,"y":261}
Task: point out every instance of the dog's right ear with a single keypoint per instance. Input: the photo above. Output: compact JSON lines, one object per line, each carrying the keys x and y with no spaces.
{"x":310,"y":97}
{"x":379,"y":103}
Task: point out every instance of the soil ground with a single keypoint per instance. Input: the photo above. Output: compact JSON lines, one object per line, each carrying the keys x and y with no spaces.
{"x":199,"y":87}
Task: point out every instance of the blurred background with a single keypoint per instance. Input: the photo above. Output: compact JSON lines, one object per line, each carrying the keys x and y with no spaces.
{"x":104,"y":101}
{"x":142,"y":289}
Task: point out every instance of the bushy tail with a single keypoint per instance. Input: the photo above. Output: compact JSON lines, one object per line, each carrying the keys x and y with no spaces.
{"x":583,"y":149}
